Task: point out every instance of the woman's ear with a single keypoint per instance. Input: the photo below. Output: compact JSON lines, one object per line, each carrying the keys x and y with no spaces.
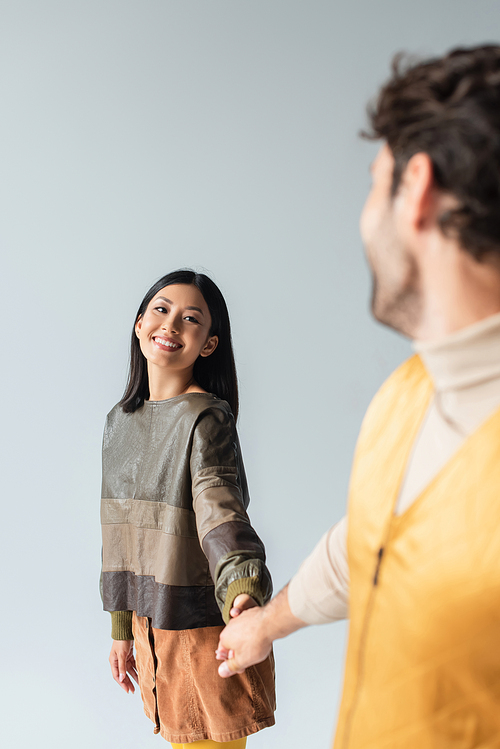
{"x":210,"y":346}
{"x":138,"y":326}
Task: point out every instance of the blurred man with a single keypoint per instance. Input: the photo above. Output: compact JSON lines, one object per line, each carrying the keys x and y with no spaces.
{"x":416,"y":563}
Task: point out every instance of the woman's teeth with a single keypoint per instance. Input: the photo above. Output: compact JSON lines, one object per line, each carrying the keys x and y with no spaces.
{"x":170,"y":344}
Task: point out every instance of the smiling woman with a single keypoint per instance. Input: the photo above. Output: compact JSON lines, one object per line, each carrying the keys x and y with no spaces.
{"x":218,"y":375}
{"x":179,"y":554}
{"x":172,"y":334}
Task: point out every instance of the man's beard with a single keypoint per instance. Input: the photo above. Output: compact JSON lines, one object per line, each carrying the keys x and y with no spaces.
{"x":398,"y":306}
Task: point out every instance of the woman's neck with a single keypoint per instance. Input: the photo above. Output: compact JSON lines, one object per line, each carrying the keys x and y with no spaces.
{"x":164,"y":385}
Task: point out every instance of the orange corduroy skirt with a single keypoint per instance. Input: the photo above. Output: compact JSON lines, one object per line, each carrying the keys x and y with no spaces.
{"x":183,"y":693}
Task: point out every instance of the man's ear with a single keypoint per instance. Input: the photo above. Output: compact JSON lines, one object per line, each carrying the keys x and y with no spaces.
{"x":210,"y":346}
{"x":417,"y":191}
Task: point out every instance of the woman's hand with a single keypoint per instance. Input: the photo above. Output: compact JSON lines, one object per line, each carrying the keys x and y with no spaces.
{"x":122,"y":662}
{"x":241,"y":603}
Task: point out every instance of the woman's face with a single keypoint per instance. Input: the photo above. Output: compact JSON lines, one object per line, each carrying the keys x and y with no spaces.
{"x":175,"y":328}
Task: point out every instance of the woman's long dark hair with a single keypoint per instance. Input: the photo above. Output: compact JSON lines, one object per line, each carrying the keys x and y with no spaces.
{"x":215,"y":373}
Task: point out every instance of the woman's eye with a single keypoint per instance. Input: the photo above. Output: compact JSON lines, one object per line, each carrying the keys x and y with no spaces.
{"x":191,"y":319}
{"x":161,"y":309}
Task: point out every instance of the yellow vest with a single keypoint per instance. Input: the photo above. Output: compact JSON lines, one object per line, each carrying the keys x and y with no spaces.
{"x":423,"y":658}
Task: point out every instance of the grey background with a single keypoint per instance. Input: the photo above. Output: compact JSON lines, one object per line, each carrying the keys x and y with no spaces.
{"x":137,"y":137}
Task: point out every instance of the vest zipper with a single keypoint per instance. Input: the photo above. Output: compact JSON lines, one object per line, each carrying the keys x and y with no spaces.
{"x":362,"y":643}
{"x":379,"y":562}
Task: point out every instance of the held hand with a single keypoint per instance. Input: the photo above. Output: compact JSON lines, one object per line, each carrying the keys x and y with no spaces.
{"x":249,"y":636}
{"x":122,"y":663}
{"x":243,"y":642}
{"x":242,"y":603}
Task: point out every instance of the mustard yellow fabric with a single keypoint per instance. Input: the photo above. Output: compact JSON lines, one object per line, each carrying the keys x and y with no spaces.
{"x":423,"y":659}
{"x":238,"y":744}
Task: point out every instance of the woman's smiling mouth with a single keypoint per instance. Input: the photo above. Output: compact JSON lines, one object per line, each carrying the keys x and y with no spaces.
{"x":166,"y":344}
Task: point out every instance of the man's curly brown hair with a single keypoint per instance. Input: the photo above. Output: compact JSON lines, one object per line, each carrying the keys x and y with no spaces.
{"x":449,"y":108}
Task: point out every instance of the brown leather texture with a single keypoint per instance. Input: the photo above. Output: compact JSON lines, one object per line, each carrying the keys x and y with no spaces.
{"x":235,"y":551}
{"x":173,"y":476}
{"x":169,"y":606}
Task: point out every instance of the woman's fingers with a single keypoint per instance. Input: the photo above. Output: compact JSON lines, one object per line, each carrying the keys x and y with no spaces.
{"x":130,"y":684}
{"x":242,"y":602}
{"x":122,"y":665}
{"x":122,"y":660}
{"x":113,"y":662}
{"x":132,"y":669}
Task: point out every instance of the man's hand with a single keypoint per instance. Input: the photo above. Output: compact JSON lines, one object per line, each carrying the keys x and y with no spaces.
{"x":243,"y":642}
{"x":122,"y":663}
{"x":249,"y":636}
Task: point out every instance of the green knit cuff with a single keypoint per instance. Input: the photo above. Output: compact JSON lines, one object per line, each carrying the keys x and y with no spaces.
{"x":248,"y":585}
{"x":121,"y":625}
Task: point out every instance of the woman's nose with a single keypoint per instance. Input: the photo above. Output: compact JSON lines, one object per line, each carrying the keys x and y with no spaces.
{"x":171,"y":325}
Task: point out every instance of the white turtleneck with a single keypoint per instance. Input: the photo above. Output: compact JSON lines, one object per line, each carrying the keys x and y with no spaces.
{"x":465,"y":370}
